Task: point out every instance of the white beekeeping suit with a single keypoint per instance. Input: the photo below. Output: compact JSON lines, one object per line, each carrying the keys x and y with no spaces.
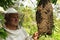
{"x":19,"y":34}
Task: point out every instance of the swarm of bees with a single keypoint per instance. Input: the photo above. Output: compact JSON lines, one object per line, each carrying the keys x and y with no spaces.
{"x":44,"y":17}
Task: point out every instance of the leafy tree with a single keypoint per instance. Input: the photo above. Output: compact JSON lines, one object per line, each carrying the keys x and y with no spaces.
{"x":6,"y":3}
{"x":54,"y":1}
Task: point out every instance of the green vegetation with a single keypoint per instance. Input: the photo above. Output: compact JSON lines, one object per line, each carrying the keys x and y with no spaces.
{"x":3,"y":33}
{"x":6,"y":3}
{"x":29,"y":23}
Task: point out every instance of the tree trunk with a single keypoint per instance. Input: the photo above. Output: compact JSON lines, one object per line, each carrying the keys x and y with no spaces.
{"x":44,"y":17}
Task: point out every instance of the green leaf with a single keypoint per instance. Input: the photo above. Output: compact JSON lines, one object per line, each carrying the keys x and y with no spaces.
{"x":3,"y":33}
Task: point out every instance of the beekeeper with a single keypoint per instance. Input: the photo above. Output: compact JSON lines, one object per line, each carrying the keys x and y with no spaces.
{"x":15,"y":31}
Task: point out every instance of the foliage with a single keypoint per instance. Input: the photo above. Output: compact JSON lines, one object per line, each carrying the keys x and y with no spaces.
{"x":53,"y":1}
{"x":6,"y":3}
{"x":29,"y":22}
{"x":3,"y":33}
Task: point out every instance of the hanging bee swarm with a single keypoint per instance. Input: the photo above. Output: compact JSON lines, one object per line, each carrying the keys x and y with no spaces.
{"x":44,"y":17}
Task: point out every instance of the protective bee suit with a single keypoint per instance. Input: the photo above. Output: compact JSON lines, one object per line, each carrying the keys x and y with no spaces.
{"x":19,"y":34}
